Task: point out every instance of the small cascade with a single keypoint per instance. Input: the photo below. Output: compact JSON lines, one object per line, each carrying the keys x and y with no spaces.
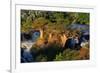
{"x":27,"y":44}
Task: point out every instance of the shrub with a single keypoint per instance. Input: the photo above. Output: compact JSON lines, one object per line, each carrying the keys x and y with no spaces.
{"x":41,"y":58}
{"x":67,"y":54}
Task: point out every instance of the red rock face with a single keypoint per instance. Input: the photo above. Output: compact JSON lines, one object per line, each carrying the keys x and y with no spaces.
{"x":84,"y":53}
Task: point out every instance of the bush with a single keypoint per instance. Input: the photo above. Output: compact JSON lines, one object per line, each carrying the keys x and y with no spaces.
{"x":47,"y":53}
{"x":67,"y":54}
{"x":41,"y":58}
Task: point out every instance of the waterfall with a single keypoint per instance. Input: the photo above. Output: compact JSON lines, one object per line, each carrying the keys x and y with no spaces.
{"x":27,"y":45}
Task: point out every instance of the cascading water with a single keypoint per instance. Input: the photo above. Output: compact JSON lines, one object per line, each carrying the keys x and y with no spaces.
{"x":26,"y":45}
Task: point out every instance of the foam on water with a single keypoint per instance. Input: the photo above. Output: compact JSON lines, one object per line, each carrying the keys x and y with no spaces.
{"x":27,"y":44}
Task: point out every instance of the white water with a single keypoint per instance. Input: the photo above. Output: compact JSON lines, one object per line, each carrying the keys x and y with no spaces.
{"x":27,"y":45}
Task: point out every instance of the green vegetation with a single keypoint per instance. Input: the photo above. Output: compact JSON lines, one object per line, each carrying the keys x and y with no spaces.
{"x":68,"y":54}
{"x":54,"y":52}
{"x":51,"y":20}
{"x":53,"y":25}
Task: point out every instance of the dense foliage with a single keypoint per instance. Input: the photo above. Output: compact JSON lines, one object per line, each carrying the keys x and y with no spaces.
{"x":55,"y":23}
{"x":51,"y":20}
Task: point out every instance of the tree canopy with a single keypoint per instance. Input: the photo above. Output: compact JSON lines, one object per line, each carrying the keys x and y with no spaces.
{"x":51,"y":19}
